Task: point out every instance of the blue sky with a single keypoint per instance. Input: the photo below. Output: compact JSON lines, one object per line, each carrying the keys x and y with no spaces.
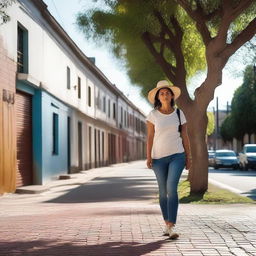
{"x":65,"y":12}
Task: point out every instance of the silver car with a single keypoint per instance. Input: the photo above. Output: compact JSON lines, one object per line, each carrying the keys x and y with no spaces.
{"x":225,"y":158}
{"x":248,"y":157}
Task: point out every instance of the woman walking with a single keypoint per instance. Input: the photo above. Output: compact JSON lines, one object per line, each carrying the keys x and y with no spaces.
{"x":168,"y":150}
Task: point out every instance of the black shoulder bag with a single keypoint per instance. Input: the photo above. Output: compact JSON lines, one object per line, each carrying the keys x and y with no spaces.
{"x":178,"y":113}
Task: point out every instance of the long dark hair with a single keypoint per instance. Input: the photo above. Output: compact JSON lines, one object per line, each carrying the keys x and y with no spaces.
{"x":158,"y":104}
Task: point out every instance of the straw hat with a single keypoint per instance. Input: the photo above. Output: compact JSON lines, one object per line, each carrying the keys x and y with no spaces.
{"x":163,"y":84}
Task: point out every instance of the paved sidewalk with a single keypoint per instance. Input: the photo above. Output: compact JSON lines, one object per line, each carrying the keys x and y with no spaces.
{"x":117,"y":214}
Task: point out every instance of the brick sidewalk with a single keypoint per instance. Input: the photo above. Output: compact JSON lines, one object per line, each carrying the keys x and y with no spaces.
{"x":117,"y":214}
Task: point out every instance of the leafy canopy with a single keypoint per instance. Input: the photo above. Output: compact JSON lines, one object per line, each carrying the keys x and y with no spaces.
{"x":242,"y":119}
{"x":120,"y":26}
{"x":211,"y":123}
{"x":121,"y":23}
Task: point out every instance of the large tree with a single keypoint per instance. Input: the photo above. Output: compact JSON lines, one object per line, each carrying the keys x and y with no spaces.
{"x":182,"y":37}
{"x":242,"y":119}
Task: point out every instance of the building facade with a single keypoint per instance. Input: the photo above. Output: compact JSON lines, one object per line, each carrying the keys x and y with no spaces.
{"x":59,"y":113}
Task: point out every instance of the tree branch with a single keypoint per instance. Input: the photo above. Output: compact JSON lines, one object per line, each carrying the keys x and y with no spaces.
{"x":168,"y":68}
{"x":210,"y":16}
{"x":226,"y":4}
{"x":173,"y":43}
{"x":164,"y":27}
{"x":162,"y":43}
{"x":200,"y":19}
{"x":176,"y":74}
{"x":230,"y":14}
{"x":206,"y":17}
{"x":246,"y":35}
{"x":178,"y":30}
{"x":180,"y":62}
{"x":243,"y":5}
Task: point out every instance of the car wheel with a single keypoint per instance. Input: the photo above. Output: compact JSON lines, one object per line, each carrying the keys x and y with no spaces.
{"x":216,"y":167}
{"x":236,"y":167}
{"x":242,"y":166}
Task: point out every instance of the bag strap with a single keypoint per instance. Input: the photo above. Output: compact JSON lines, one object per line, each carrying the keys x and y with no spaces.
{"x":178,"y":113}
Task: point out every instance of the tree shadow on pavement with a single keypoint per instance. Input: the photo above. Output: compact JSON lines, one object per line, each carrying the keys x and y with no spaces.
{"x":192,"y":198}
{"x":110,"y":189}
{"x":60,"y":248}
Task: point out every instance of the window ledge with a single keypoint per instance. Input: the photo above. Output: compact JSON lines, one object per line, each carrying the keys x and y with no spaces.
{"x":28,"y":79}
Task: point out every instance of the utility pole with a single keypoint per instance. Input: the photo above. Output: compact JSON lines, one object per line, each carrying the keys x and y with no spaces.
{"x":215,"y":130}
{"x":217,"y":121}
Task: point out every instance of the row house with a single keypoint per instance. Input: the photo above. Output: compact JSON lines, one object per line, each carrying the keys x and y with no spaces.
{"x":59,"y":113}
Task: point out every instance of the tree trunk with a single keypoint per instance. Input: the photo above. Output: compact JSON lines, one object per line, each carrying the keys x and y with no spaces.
{"x":198,"y":175}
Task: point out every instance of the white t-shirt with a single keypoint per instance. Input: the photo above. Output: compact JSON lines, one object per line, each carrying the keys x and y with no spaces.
{"x":167,"y":140}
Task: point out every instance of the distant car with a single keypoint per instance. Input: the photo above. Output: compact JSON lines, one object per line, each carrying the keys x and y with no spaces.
{"x":225,"y":158}
{"x":248,"y":156}
{"x":211,"y":154}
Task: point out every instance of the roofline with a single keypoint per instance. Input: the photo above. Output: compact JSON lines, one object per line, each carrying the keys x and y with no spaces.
{"x":42,"y":7}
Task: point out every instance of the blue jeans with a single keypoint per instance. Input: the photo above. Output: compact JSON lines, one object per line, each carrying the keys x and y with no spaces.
{"x":168,"y":171}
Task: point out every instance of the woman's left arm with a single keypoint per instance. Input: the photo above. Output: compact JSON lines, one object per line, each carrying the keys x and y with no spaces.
{"x":186,"y":145}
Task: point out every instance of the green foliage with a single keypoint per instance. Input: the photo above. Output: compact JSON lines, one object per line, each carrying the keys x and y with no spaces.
{"x":211,"y":123}
{"x":240,"y":23}
{"x":227,"y":129}
{"x":243,"y":115}
{"x":121,"y":25}
{"x":4,"y":17}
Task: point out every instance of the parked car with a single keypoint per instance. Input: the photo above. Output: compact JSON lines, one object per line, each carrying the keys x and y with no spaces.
{"x":211,"y":154}
{"x":225,"y":158}
{"x":247,"y":158}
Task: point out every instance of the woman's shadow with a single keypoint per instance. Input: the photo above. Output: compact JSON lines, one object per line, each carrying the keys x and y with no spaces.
{"x":57,"y":248}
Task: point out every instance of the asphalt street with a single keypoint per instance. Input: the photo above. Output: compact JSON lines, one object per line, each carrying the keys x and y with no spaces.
{"x":238,"y":181}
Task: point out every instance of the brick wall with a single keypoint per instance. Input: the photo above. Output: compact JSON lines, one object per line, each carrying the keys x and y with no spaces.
{"x":7,"y":122}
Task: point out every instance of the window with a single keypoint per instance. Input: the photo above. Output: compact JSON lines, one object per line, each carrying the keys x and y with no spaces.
{"x":55,"y":134}
{"x":79,"y":87}
{"x":89,"y":96}
{"x":68,"y":78}
{"x":109,"y":108}
{"x":104,"y":104}
{"x":121,"y":115}
{"x":114,"y":110}
{"x":98,"y":100}
{"x":90,"y":146}
{"x":125,"y":119}
{"x":22,"y":50}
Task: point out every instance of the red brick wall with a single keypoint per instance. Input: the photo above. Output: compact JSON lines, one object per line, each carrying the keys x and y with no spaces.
{"x":7,"y":122}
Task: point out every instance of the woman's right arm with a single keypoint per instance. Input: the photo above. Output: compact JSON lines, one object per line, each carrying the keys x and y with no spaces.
{"x":150,"y":138}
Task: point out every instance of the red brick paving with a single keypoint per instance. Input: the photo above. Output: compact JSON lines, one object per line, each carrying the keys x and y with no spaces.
{"x":117,"y":214}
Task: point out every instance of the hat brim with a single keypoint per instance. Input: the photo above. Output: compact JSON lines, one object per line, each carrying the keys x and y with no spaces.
{"x":151,"y":95}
